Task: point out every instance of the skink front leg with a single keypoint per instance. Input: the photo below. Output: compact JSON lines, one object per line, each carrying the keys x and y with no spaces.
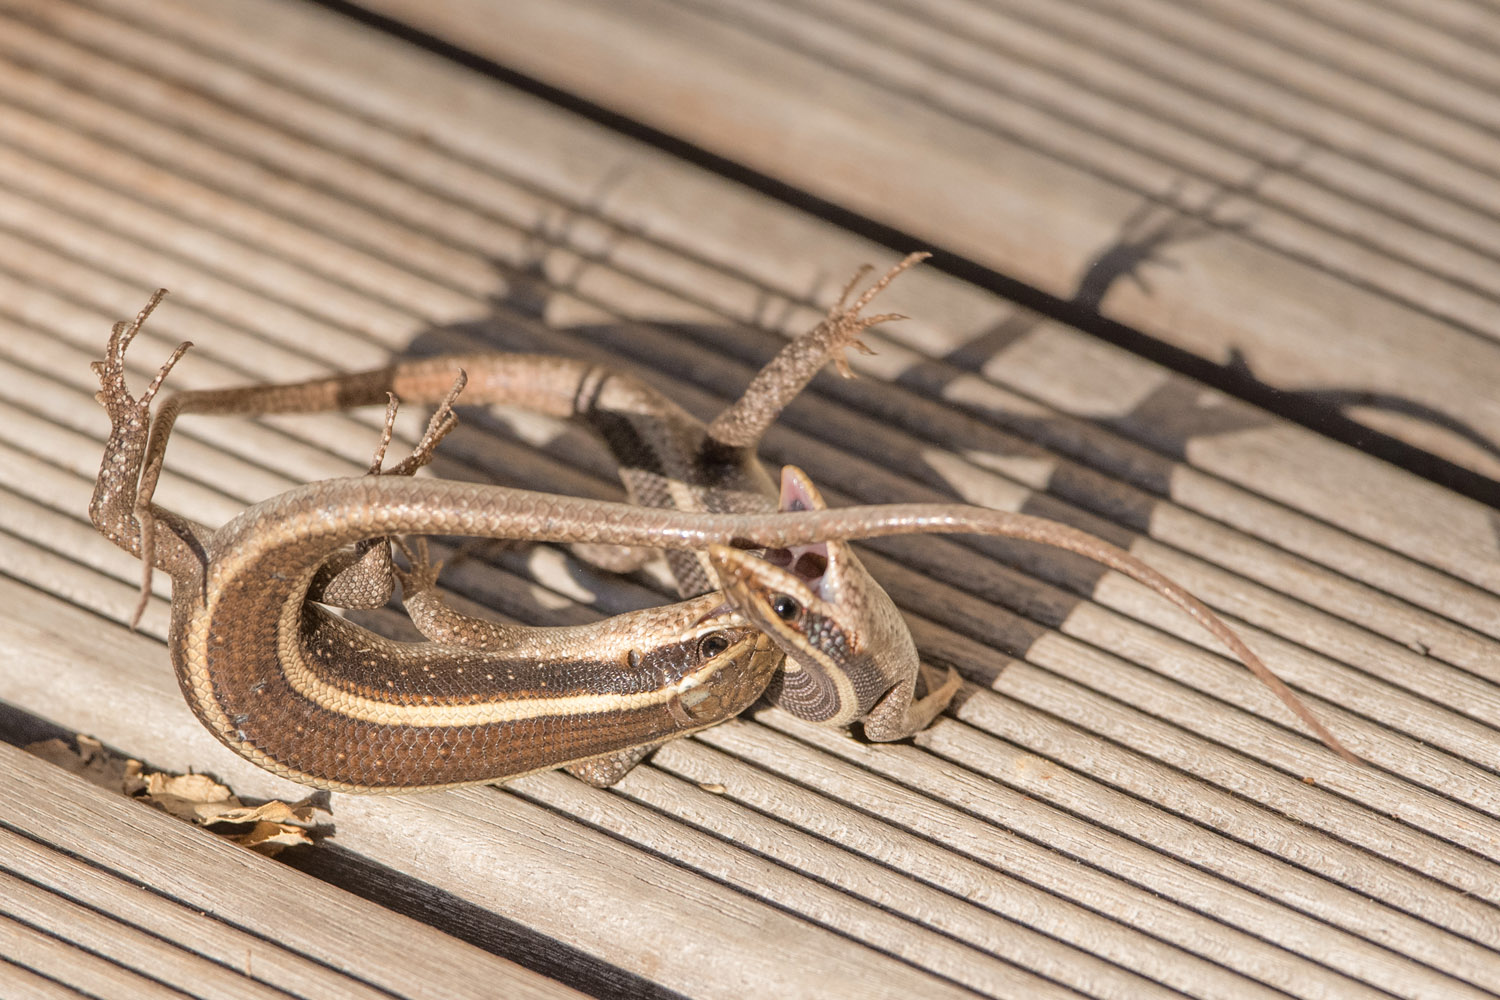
{"x":900,"y":713}
{"x":364,"y":576}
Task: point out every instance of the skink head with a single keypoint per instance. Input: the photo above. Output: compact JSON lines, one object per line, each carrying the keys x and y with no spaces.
{"x":733,"y":667}
{"x":845,"y":642}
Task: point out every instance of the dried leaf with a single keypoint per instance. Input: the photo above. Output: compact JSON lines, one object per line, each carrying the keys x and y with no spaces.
{"x":193,"y":797}
{"x":197,"y":787}
{"x":274,"y":811}
{"x":273,"y":826}
{"x":91,"y":762}
{"x":271,"y":838}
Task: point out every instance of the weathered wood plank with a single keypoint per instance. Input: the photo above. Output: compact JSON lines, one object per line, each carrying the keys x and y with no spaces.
{"x":56,"y":959}
{"x":205,"y":894}
{"x":1306,"y":207}
{"x":498,"y":852}
{"x":1114,"y":810}
{"x":169,"y":920}
{"x":839,"y":890}
{"x":130,"y":948}
{"x":25,"y":984}
{"x":870,"y":859}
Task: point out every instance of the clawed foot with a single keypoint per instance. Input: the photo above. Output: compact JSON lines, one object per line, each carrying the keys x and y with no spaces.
{"x":442,"y":423}
{"x":130,"y":417}
{"x":121,"y":507}
{"x":741,"y":426}
{"x":840,"y":330}
{"x":422,"y":573}
{"x":367,"y":579}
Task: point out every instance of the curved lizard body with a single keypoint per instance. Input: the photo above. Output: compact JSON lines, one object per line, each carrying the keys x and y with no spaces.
{"x":668,"y":459}
{"x":310,"y":519}
{"x":315,"y":698}
{"x":276,"y":678}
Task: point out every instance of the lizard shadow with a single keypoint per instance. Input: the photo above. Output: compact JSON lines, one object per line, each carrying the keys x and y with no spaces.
{"x":1179,"y":411}
{"x":856,"y":452}
{"x":1125,"y":475}
{"x":1104,"y":475}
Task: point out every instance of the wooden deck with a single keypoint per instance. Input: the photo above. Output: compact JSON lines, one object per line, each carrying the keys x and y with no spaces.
{"x":1215,"y":281}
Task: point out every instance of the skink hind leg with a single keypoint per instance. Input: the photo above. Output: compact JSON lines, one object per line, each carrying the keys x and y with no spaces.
{"x":607,"y":769}
{"x":121,"y":507}
{"x":745,"y":422}
{"x":113,"y":508}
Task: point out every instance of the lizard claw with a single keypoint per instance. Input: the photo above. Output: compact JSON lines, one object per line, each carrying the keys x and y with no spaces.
{"x":838,"y":352}
{"x":859,"y":275}
{"x":123,"y":490}
{"x":905,"y":263}
{"x":841,"y":328}
{"x":422,"y":574}
{"x":128,"y":414}
{"x":442,"y":423}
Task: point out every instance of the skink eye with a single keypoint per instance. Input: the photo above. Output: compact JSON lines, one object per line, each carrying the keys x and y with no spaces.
{"x":712,"y":645}
{"x":785,"y":608}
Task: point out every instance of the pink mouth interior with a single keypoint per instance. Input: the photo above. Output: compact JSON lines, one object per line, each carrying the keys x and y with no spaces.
{"x":808,"y":563}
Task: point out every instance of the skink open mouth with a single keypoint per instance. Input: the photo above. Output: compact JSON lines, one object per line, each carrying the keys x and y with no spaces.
{"x":808,"y":563}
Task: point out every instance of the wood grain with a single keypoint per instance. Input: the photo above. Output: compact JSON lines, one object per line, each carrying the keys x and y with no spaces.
{"x":1306,"y":205}
{"x":1114,"y":810}
{"x":102,"y":883}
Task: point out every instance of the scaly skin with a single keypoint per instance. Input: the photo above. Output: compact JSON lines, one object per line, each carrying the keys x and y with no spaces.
{"x":314,"y":698}
{"x":274,"y":677}
{"x":670,"y":459}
